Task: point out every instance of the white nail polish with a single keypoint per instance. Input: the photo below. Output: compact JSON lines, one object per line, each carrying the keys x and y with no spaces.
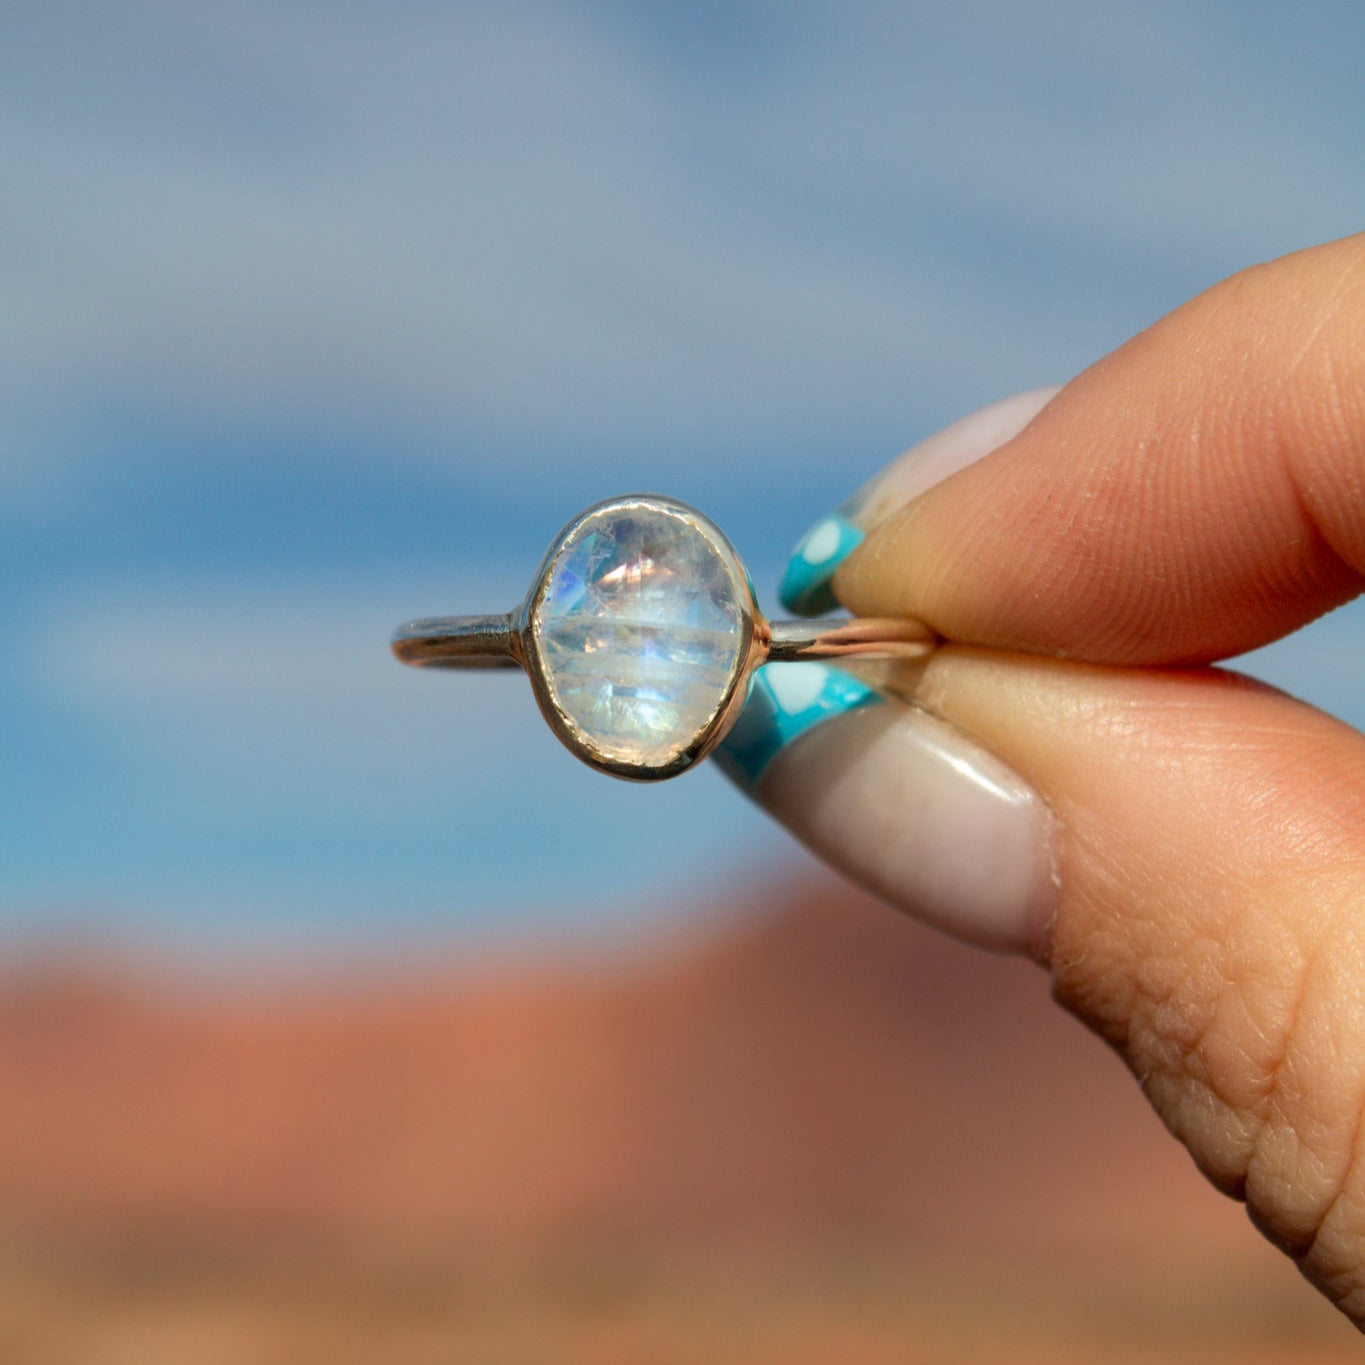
{"x":822,"y":543}
{"x":921,"y":815}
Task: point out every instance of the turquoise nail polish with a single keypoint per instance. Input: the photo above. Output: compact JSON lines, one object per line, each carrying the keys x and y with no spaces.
{"x":807,"y":582}
{"x":785,"y":701}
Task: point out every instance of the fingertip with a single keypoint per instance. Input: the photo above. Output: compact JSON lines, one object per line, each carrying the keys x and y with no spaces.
{"x":807,"y":587}
{"x":1189,"y":497}
{"x":901,"y":803}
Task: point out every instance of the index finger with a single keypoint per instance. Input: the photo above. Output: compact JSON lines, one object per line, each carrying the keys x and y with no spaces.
{"x":1198,"y":493}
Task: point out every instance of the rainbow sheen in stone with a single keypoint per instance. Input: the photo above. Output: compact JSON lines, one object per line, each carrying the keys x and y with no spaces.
{"x":640,"y":632}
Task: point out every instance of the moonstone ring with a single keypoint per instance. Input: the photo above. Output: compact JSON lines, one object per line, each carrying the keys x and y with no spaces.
{"x":640,"y":635}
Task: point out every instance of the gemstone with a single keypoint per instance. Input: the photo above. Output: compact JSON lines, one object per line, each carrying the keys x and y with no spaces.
{"x":640,"y":631}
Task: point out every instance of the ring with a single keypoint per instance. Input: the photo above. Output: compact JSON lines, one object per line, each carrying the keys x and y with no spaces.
{"x":640,"y":634}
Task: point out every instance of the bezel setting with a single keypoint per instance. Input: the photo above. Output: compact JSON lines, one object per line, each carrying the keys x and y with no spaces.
{"x":686,"y":749}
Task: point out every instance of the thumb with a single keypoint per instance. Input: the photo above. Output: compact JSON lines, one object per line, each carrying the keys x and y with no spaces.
{"x":1184,"y":849}
{"x":1210,"y":859}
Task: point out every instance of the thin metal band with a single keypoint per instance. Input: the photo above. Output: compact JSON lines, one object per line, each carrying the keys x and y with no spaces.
{"x":460,"y":642}
{"x":495,"y":641}
{"x":869,"y":636}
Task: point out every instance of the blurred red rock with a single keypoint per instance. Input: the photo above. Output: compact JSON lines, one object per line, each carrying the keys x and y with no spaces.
{"x":826,"y":1066}
{"x":817,"y":1078}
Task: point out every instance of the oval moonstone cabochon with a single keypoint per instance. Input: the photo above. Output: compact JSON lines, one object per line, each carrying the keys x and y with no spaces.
{"x":640,"y":631}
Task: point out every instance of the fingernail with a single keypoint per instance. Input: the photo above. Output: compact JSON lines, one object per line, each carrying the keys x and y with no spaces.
{"x":909,"y":807}
{"x":785,"y":701}
{"x":807,"y":586}
{"x":808,"y":582}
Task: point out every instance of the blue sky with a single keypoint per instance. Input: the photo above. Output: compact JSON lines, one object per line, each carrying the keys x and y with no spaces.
{"x":319,"y":317}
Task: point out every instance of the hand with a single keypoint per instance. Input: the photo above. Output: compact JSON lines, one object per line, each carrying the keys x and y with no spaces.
{"x":1184,"y":849}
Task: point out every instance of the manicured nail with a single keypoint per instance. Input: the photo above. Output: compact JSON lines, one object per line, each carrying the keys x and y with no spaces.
{"x":908,"y":806}
{"x":808,"y":581}
{"x":785,"y":701}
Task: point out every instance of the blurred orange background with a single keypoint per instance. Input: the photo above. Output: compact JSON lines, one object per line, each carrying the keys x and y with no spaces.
{"x":807,"y":1132}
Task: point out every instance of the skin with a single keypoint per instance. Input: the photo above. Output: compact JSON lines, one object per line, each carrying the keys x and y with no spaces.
{"x":1197,"y":493}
